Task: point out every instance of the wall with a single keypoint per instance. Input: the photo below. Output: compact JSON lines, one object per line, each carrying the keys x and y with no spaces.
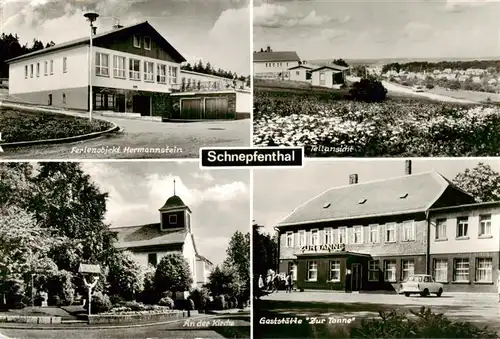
{"x":189,"y":253}
{"x":243,"y":102}
{"x":328,"y":78}
{"x":76,"y":98}
{"x":75,"y":77}
{"x":260,"y":68}
{"x":301,"y":76}
{"x":142,"y":257}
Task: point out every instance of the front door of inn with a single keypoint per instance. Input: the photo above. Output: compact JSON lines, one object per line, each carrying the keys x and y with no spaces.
{"x":356,"y":277}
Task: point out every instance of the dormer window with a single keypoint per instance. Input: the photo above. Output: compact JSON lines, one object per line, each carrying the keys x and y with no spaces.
{"x":172,"y":219}
{"x":137,"y":41}
{"x":403,"y":196}
{"x":147,"y":43}
{"x":362,"y":201}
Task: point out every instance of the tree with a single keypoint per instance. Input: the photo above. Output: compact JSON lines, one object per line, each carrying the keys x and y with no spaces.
{"x":124,"y":276}
{"x":340,"y":62}
{"x":482,"y":182}
{"x":224,"y":280}
{"x":173,"y":274}
{"x":265,"y":251}
{"x":238,"y":254}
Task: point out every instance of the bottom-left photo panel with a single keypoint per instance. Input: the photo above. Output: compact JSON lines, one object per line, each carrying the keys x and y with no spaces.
{"x":124,"y":250}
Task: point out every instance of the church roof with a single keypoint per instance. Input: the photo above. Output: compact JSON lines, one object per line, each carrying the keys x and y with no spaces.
{"x":148,"y":235}
{"x":174,"y":202}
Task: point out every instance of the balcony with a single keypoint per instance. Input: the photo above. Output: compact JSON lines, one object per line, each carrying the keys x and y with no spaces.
{"x":208,"y":86}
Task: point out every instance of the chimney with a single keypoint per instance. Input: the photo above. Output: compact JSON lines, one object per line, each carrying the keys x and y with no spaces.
{"x":94,"y":30}
{"x":353,"y":179}
{"x":408,"y":167}
{"x":268,"y":49}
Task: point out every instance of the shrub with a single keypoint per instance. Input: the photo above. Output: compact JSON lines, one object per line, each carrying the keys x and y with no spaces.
{"x":190,"y":305}
{"x":149,"y":294}
{"x":60,"y":288}
{"x":173,"y":274}
{"x":368,"y":91}
{"x":200,"y":297}
{"x":219,"y":302}
{"x":134,"y":306}
{"x":167,"y":294}
{"x":424,"y":324}
{"x":116,"y":300}
{"x":429,"y":86}
{"x":100,"y":303}
{"x":167,"y":301}
{"x":124,"y":277}
{"x":54,"y":300}
{"x":14,"y":292}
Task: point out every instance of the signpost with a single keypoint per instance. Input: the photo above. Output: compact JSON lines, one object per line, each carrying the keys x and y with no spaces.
{"x":90,"y":271}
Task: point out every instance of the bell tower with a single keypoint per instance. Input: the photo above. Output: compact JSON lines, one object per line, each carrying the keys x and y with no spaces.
{"x":175,"y":215}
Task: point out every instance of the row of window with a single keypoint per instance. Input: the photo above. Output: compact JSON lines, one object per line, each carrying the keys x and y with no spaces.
{"x":138,"y":42}
{"x":461,"y":270}
{"x":33,"y":70}
{"x":462,"y":229}
{"x":276,"y":64}
{"x":164,"y":73}
{"x":312,"y":237}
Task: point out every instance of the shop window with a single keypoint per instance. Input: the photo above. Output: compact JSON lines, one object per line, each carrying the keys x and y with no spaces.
{"x":335,"y":270}
{"x":441,"y":270}
{"x":373,"y":270}
{"x":484,"y":270}
{"x":461,"y":270}
{"x":312,"y":270}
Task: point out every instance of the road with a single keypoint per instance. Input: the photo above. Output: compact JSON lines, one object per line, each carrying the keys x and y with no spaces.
{"x":176,"y":140}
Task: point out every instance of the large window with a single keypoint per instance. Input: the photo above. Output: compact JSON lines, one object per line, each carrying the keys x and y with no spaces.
{"x":152,"y":259}
{"x":302,"y":238}
{"x":134,"y":69}
{"x":335,"y":270}
{"x":357,"y":235}
{"x":342,"y":235}
{"x":289,"y":239}
{"x":162,"y":74}
{"x":102,"y":64}
{"x":484,"y":270}
{"x":408,"y":231}
{"x":441,"y":229}
{"x":485,"y":225}
{"x":118,"y":67}
{"x":461,"y":270}
{"x":147,"y":43}
{"x":462,"y":227}
{"x":390,"y":233}
{"x":373,"y":270}
{"x":148,"y":71}
{"x":65,"y":65}
{"x":374,"y":234}
{"x":441,"y":270}
{"x":314,"y":237}
{"x":328,"y":235}
{"x":312,"y":271}
{"x":390,"y":270}
{"x":408,"y":269}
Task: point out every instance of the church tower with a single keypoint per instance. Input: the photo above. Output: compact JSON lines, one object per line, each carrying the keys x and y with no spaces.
{"x":175,"y":215}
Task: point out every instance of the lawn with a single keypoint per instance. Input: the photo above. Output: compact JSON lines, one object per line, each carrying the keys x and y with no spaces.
{"x":327,"y":124}
{"x":18,"y":125}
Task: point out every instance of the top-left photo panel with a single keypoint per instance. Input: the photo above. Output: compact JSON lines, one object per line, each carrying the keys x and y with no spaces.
{"x":131,"y":79}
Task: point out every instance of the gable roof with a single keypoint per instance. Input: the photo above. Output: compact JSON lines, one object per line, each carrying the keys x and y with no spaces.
{"x":86,"y":40}
{"x":300,"y":66}
{"x":276,"y":56}
{"x":148,"y":235}
{"x":407,"y":194}
{"x":331,"y":66}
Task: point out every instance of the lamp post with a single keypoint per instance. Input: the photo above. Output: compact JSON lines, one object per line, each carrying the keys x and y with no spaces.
{"x":91,"y":17}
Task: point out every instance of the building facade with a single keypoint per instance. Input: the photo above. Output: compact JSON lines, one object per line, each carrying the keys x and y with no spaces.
{"x":330,"y":76}
{"x":268,"y":64}
{"x":373,"y":235}
{"x":149,"y":243}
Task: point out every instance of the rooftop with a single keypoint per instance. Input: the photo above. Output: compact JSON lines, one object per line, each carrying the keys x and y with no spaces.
{"x":148,"y":235}
{"x":275,"y":56}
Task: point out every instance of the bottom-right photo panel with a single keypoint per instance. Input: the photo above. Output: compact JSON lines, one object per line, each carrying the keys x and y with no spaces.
{"x":377,"y":249}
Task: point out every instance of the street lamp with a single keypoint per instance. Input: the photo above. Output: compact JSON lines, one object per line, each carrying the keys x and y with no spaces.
{"x":91,"y":17}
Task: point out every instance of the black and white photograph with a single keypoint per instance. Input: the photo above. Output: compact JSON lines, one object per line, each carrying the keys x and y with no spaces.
{"x":377,"y":249}
{"x":123,"y":250}
{"x":377,"y":78}
{"x":134,"y":79}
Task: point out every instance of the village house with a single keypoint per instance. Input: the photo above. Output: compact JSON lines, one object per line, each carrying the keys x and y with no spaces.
{"x":268,"y":64}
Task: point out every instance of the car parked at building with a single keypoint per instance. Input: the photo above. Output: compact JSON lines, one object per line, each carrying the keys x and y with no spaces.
{"x":422,"y":284}
{"x":418,"y":88}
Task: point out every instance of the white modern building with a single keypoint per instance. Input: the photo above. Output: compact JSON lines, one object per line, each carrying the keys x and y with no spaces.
{"x":268,"y":64}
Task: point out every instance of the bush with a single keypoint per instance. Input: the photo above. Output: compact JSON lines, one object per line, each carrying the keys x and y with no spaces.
{"x":429,"y":86}
{"x":124,"y":277}
{"x":60,"y":289}
{"x":190,"y":305}
{"x":149,"y":294}
{"x":424,"y":324}
{"x":219,"y":302}
{"x":166,"y":301}
{"x":54,"y":300}
{"x":134,"y":306}
{"x":167,"y":294}
{"x":173,"y":274}
{"x":368,"y":91}
{"x":14,"y":292}
{"x":100,"y":303}
{"x":200,"y":297}
{"x":116,"y":300}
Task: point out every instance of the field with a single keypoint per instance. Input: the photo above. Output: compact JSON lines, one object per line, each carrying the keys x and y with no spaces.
{"x":326,"y":125}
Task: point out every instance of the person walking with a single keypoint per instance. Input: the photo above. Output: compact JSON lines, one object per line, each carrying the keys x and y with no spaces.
{"x":290,"y":281}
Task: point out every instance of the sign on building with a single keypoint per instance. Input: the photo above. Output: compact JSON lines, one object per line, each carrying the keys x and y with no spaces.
{"x":322,"y":248}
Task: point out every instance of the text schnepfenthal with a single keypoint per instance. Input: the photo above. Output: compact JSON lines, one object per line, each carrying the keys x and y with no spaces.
{"x":250,"y":157}
{"x":125,"y":150}
{"x":307,"y":320}
{"x":208,"y":323}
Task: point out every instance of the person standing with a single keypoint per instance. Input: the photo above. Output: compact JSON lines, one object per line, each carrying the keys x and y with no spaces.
{"x":290,"y":281}
{"x":261,"y":282}
{"x":287,"y":289}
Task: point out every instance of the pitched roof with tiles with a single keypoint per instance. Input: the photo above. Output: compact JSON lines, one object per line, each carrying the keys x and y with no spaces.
{"x":148,"y":235}
{"x":275,"y":56}
{"x":408,"y":194}
{"x":86,"y":40}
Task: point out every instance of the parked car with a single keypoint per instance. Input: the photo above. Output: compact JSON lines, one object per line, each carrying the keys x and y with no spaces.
{"x":418,"y":88}
{"x":422,"y":284}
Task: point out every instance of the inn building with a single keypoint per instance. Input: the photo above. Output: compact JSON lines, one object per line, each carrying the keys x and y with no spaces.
{"x":373,"y":235}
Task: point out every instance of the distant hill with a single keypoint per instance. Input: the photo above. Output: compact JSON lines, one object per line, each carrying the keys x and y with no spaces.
{"x":385,"y":61}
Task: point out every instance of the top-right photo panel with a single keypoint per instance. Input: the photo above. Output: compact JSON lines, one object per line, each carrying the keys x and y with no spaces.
{"x":378,"y":78}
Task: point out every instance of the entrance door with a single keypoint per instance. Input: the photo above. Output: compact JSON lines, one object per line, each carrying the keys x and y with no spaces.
{"x":50,"y":99}
{"x":356,"y":277}
{"x":120,"y":103}
{"x":142,"y":104}
{"x":216,"y":108}
{"x":191,"y":108}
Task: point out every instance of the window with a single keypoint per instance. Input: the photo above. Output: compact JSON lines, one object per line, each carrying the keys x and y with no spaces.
{"x":152,"y":259}
{"x":408,"y":231}
{"x":134,"y":67}
{"x":322,"y":78}
{"x":314,"y":237}
{"x":390,"y":270}
{"x":37,"y":69}
{"x":174,"y":75}
{"x":162,"y":74}
{"x":461,"y":270}
{"x":65,"y":66}
{"x":485,"y":225}
{"x":297,"y":72}
{"x":292,"y":268}
{"x":148,"y":71}
{"x":289,"y":239}
{"x":302,"y":238}
{"x":328,"y":236}
{"x":99,"y":102}
{"x":390,"y":233}
{"x":64,"y":98}
{"x":26,"y":71}
{"x":51,"y":67}
{"x":31,"y":70}
{"x":441,"y":270}
{"x":484,"y":270}
{"x":312,"y":271}
{"x":101,"y":64}
{"x":118,"y":67}
{"x":374,"y":234}
{"x":172,"y":219}
{"x":335,"y":270}
{"x":46,"y":68}
{"x":342,"y":235}
{"x":147,"y":43}
{"x":373,"y":270}
{"x":408,"y":269}
{"x":357,"y":235}
{"x":137,"y":41}
{"x":441,"y":229}
{"x":462,"y":227}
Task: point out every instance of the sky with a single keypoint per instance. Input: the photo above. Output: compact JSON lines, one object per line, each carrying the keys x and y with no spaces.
{"x":374,"y":29}
{"x":213,"y":30}
{"x":219,"y":199}
{"x":278,"y":192}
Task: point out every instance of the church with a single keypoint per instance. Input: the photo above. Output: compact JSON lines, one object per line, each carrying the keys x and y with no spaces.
{"x":149,"y":243}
